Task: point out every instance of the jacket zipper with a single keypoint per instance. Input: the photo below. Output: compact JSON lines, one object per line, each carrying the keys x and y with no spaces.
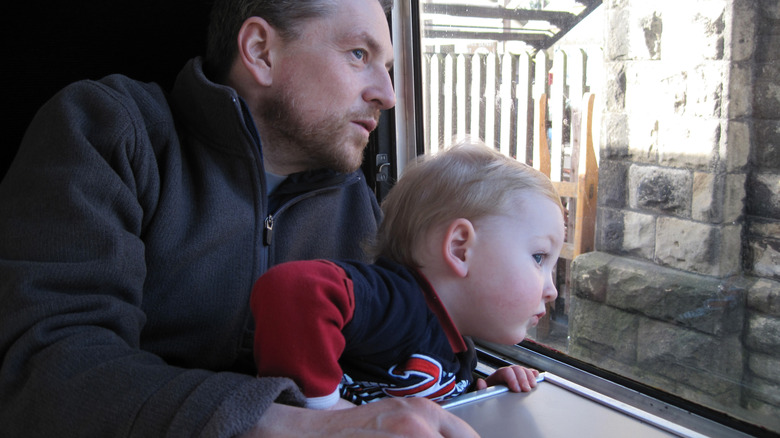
{"x":269,"y":230}
{"x":268,"y":223}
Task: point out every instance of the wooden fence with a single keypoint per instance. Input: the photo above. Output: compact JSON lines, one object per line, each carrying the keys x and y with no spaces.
{"x":492,"y":97}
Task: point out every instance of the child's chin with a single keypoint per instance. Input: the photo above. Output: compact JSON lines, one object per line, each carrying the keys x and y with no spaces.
{"x":507,"y":338}
{"x":518,"y":338}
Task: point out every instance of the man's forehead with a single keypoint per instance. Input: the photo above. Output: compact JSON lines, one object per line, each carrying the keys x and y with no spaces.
{"x":361,"y":23}
{"x":361,"y":15}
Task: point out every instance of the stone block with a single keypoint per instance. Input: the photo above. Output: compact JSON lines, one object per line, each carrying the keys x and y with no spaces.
{"x":764,"y":297}
{"x":642,"y":30}
{"x":700,"y":248}
{"x":769,"y":9}
{"x":616,"y":138}
{"x":763,"y":334}
{"x":711,"y":364}
{"x":763,"y":191}
{"x":660,"y":189}
{"x":761,"y":412}
{"x":690,"y":142}
{"x":765,"y":257}
{"x":706,"y":304}
{"x":616,"y":4}
{"x":643,"y":138}
{"x":741,"y":40}
{"x":654,"y":86}
{"x":639,"y":235}
{"x":599,"y":333}
{"x":763,"y":227}
{"x":616,"y":45}
{"x":767,"y":43}
{"x":592,"y":269}
{"x":613,"y":176}
{"x":700,"y":89}
{"x":735,"y":196}
{"x":609,"y":230}
{"x":717,"y":198}
{"x":767,"y":144}
{"x":766,"y":100}
{"x":705,"y":206}
{"x":701,"y":28}
{"x":766,"y":367}
{"x":615,"y":92}
{"x":735,"y":151}
{"x":738,"y":98}
{"x":652,"y":28}
{"x":765,"y":391}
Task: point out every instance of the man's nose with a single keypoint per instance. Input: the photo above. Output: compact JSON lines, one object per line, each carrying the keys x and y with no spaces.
{"x":381,"y":91}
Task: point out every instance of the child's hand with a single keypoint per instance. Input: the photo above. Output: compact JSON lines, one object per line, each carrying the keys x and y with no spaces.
{"x":515,"y":377}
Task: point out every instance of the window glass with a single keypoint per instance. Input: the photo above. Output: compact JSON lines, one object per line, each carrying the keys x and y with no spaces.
{"x":657,"y":123}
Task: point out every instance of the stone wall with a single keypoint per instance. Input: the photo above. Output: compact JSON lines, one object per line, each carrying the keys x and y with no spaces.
{"x":684,"y":291}
{"x":685,"y":333}
{"x":762,"y":242}
{"x":763,"y":205}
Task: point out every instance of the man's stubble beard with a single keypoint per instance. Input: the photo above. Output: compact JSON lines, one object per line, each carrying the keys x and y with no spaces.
{"x":315,"y":144}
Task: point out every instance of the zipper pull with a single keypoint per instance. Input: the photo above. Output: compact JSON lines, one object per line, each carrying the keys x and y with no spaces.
{"x":268,"y":231}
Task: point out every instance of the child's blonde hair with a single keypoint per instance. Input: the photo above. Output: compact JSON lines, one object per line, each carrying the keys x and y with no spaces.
{"x":469,"y":180}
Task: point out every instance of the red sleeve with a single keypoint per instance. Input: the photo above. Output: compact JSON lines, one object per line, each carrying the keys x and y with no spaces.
{"x":299,"y":310}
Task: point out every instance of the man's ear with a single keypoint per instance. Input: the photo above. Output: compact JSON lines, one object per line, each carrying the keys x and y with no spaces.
{"x":458,"y":244}
{"x":255,"y":40}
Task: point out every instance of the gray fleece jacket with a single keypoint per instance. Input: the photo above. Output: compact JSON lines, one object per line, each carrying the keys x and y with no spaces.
{"x":133,"y":225}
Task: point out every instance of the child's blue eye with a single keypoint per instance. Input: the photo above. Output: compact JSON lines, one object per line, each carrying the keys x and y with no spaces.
{"x":538,"y":258}
{"x":359,"y":53}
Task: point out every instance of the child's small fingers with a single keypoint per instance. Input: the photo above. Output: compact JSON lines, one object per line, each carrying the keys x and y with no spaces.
{"x":525,"y":378}
{"x":531,"y":377}
{"x":511,"y":379}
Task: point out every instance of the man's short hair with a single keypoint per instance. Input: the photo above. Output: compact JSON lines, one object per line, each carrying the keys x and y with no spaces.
{"x":227,"y":17}
{"x":469,"y":180}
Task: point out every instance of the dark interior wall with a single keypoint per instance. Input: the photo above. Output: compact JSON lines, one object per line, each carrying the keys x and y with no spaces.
{"x":47,"y":45}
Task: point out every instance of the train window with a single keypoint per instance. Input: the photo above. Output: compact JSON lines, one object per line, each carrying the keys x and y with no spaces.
{"x":658,"y":123}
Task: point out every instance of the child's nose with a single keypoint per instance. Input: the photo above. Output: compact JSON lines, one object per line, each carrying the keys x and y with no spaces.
{"x":550,"y":293}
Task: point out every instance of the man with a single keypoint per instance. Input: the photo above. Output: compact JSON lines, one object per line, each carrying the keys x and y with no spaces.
{"x":135,"y":222}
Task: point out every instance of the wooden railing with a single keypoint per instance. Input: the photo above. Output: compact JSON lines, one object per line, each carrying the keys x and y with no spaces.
{"x":581,"y":188}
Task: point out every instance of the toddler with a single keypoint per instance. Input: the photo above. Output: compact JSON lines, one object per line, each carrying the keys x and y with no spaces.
{"x":467,"y":248}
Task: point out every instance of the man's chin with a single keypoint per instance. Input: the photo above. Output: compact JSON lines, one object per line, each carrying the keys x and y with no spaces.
{"x":353,"y":156}
{"x":344,"y":157}
{"x":342,"y":164}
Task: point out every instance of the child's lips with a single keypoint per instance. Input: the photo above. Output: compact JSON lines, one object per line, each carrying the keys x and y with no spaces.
{"x":536,"y":318}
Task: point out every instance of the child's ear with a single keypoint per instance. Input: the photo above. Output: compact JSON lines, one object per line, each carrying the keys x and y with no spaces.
{"x":458,"y":244}
{"x":255,"y":41}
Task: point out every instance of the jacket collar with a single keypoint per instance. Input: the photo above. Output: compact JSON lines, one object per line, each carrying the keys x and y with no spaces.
{"x":214,"y":113}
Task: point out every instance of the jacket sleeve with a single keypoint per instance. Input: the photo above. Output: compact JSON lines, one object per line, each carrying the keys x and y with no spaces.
{"x":72,"y":264}
{"x":300,"y":309}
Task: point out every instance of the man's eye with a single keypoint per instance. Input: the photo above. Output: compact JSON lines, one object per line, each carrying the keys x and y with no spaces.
{"x":539,"y":258}
{"x":359,"y":53}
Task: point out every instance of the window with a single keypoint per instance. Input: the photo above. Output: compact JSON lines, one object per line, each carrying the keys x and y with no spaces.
{"x":677,"y":291}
